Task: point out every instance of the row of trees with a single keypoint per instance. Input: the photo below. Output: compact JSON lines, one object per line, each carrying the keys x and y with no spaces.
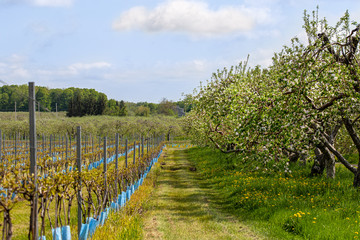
{"x":76,"y":101}
{"x":97,"y":125}
{"x":301,"y":105}
{"x":48,"y":98}
{"x":87,"y":102}
{"x":165,"y":107}
{"x":81,"y":102}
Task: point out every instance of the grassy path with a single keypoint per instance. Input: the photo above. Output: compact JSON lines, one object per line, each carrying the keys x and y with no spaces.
{"x":183,"y":208}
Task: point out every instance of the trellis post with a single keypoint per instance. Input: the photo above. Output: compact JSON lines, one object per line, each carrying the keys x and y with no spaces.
{"x":33,"y":168}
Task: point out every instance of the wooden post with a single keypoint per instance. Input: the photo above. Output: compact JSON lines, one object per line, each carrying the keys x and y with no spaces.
{"x":142,"y":146}
{"x":78,"y":160}
{"x":99,"y":143}
{"x":139,"y":150}
{"x":147,"y":145}
{"x":66,"y":152}
{"x":92,"y":143}
{"x":43,"y":145}
{"x":116,"y":164}
{"x":86,"y":144}
{"x":105,"y":171}
{"x":33,"y":168}
{"x":134,"y":152}
{"x":0,"y":144}
{"x":15,"y":147}
{"x":15,"y":110}
{"x":50,"y":148}
{"x":62,"y":145}
{"x":126,"y":152}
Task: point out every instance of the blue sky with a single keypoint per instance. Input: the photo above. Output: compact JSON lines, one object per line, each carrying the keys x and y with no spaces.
{"x":143,"y":50}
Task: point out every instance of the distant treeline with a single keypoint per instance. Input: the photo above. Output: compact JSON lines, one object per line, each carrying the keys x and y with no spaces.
{"x":82,"y":101}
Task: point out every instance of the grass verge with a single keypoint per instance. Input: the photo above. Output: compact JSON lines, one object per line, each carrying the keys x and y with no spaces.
{"x":127,"y":223}
{"x":282,"y":205}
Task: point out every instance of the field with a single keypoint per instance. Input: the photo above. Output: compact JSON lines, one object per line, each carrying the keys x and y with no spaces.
{"x":283,"y":205}
{"x":102,"y":187}
{"x":49,"y":123}
{"x":266,"y":203}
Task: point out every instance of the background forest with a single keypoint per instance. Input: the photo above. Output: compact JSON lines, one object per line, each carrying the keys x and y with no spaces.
{"x":82,"y":101}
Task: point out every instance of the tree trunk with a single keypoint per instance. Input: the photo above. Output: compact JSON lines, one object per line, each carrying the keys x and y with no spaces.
{"x":329,"y":163}
{"x":349,"y":125}
{"x":294,"y":157}
{"x":319,"y":163}
{"x":356,"y":182}
{"x":330,"y":167}
{"x":7,"y":233}
{"x":328,"y":160}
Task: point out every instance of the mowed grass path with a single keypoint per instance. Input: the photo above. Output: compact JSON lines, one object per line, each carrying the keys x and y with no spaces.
{"x":183,"y":208}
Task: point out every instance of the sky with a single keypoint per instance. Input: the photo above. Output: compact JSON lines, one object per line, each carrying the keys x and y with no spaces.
{"x":144,"y":50}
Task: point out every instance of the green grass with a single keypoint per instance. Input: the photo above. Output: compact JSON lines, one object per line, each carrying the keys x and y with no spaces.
{"x":283,"y":205}
{"x":183,"y":207}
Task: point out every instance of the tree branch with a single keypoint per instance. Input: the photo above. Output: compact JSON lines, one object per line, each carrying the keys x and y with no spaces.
{"x":355,"y":120}
{"x":326,"y":43}
{"x":347,"y":59}
{"x":220,"y":148}
{"x":354,"y":136}
{"x":339,"y":156}
{"x":326,"y":105}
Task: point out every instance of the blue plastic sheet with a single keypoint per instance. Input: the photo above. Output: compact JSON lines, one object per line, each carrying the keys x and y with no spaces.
{"x":122,"y":199}
{"x":56,"y":233}
{"x":119,"y":199}
{"x":84,"y":231}
{"x":102,"y":218}
{"x":114,"y":206}
{"x":66,"y":233}
{"x":93,"y":223}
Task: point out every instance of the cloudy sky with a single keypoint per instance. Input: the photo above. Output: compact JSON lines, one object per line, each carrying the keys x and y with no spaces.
{"x":144,"y":50}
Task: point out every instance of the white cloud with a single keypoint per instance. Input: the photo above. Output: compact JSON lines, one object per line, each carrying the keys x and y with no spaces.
{"x":76,"y":69}
{"x":262,"y":57}
{"x":193,"y":17}
{"x":17,"y":69}
{"x":13,"y":68}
